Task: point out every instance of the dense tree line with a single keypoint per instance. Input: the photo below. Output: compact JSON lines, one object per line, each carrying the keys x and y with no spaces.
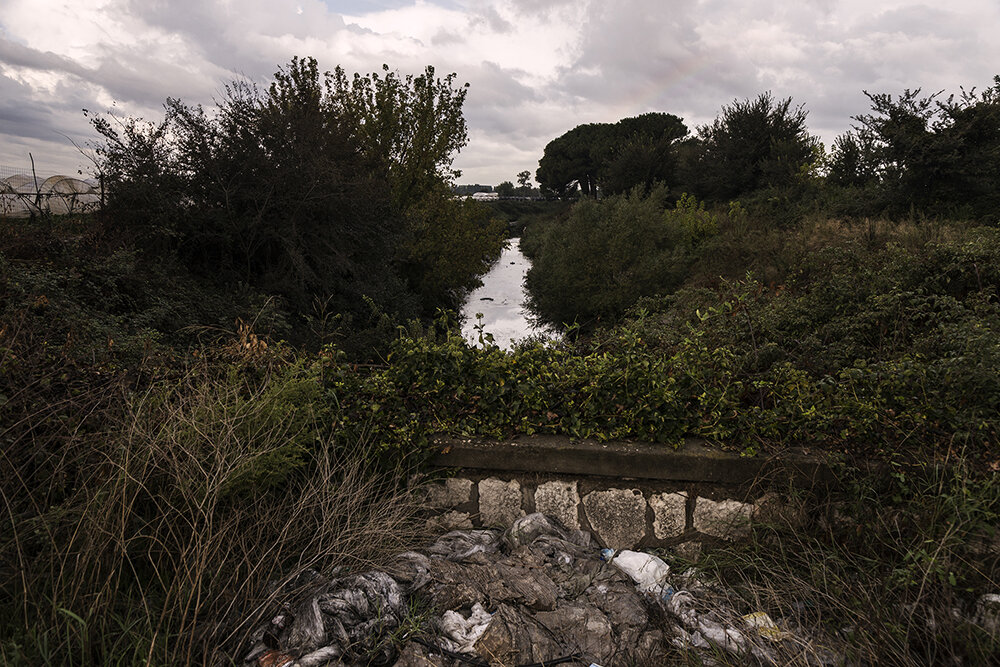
{"x":923,"y":153}
{"x":753,"y":144}
{"x":323,"y":189}
{"x":756,"y":166}
{"x":612,"y":157}
{"x":910,"y":152}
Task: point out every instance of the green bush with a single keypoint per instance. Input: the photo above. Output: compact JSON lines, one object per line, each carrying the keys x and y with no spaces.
{"x":875,"y":352}
{"x":594,"y":264}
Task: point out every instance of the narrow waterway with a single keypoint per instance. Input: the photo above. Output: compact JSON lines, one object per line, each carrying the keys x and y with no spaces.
{"x":501,"y":302}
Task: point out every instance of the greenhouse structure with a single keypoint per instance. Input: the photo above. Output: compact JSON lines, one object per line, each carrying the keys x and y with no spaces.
{"x":22,"y":195}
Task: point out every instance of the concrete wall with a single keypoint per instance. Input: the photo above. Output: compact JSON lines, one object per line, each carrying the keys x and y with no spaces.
{"x":628,"y":495}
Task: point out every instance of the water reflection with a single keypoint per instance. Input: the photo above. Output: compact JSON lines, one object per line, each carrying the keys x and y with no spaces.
{"x":501,"y":302}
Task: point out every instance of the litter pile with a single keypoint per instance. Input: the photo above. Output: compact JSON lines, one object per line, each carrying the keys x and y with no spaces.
{"x":537,"y":594}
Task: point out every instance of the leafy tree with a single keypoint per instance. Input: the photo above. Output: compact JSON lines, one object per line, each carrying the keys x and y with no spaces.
{"x":505,"y":189}
{"x":271,"y":189}
{"x":412,"y":126}
{"x":610,"y":157}
{"x":751,"y":145}
{"x":524,"y":179}
{"x":597,"y":261}
{"x":854,"y":161}
{"x":455,"y":241}
{"x":573,"y":161}
{"x":936,"y":155}
{"x":295,"y":191}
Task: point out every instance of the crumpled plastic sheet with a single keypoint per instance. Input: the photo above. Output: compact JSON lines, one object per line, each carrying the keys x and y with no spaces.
{"x":347,"y":616}
{"x":708,"y":622}
{"x":463,"y":633}
{"x":459,"y":545}
{"x":532,"y":528}
{"x":411,"y":570}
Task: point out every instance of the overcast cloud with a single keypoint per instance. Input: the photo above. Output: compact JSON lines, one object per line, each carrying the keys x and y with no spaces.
{"x":536,"y":67}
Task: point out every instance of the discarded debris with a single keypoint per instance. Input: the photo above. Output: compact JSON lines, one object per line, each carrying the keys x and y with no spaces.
{"x":764,"y":626}
{"x":536,"y":594}
{"x":988,"y":613}
{"x":463,"y":633}
{"x":647,"y":571}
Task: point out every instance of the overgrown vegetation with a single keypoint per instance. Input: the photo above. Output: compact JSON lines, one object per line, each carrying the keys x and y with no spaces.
{"x":845,"y":303}
{"x":644,"y":250}
{"x":169,"y":461}
{"x":160,"y":482}
{"x":888,"y":571}
{"x":328,"y":193}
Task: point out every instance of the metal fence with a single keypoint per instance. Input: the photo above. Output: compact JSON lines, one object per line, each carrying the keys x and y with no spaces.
{"x":25,"y":193}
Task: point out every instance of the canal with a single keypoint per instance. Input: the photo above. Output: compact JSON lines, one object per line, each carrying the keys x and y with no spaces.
{"x":501,"y":302}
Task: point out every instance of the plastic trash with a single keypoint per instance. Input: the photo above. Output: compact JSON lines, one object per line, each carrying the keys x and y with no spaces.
{"x":765,"y":626}
{"x":332,"y":618}
{"x":274,"y":658}
{"x":700,"y":630}
{"x":463,"y":633}
{"x":988,"y":613}
{"x":459,"y":545}
{"x":647,"y":571}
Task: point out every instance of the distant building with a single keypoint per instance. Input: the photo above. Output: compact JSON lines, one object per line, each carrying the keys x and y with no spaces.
{"x":485,"y":196}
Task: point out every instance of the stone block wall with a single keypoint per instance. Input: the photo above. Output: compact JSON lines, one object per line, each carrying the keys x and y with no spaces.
{"x":621,"y":514}
{"x":654,"y":496}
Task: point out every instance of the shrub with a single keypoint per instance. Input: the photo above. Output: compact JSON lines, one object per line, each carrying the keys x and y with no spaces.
{"x":593,"y":265}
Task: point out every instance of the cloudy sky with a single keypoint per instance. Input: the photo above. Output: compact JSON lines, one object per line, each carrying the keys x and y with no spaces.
{"x":536,"y":68}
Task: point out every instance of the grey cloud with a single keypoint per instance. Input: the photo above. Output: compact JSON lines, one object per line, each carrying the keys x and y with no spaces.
{"x":492,"y":85}
{"x":135,"y":77}
{"x":688,"y":57}
{"x":30,"y":123}
{"x":240,"y":37}
{"x":447,"y":38}
{"x":20,"y":55}
{"x":919,"y":20}
{"x":493,"y":21}
{"x":636,"y":57}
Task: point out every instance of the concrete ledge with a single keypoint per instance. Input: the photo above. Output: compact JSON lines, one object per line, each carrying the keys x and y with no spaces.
{"x":695,"y":461}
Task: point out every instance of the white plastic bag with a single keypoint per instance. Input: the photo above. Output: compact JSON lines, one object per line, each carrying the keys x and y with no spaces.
{"x":647,"y":571}
{"x":462,"y":632}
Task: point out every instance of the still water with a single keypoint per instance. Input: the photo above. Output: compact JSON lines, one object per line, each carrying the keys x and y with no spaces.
{"x":501,"y":302}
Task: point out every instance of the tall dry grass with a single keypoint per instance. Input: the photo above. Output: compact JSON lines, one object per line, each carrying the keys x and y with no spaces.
{"x":886,"y":572}
{"x":183,"y":518}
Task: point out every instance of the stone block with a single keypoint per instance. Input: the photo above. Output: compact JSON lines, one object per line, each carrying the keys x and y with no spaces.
{"x":617,"y":517}
{"x":669,"y":514}
{"x":728,"y":519}
{"x":559,"y":500}
{"x":453,"y":492}
{"x":499,"y":502}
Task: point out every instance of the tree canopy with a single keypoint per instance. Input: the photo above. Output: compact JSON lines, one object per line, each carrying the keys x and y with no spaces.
{"x":751,"y":145}
{"x":321,"y":188}
{"x":611,"y":157}
{"x":413,"y":126}
{"x":924,"y":152}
